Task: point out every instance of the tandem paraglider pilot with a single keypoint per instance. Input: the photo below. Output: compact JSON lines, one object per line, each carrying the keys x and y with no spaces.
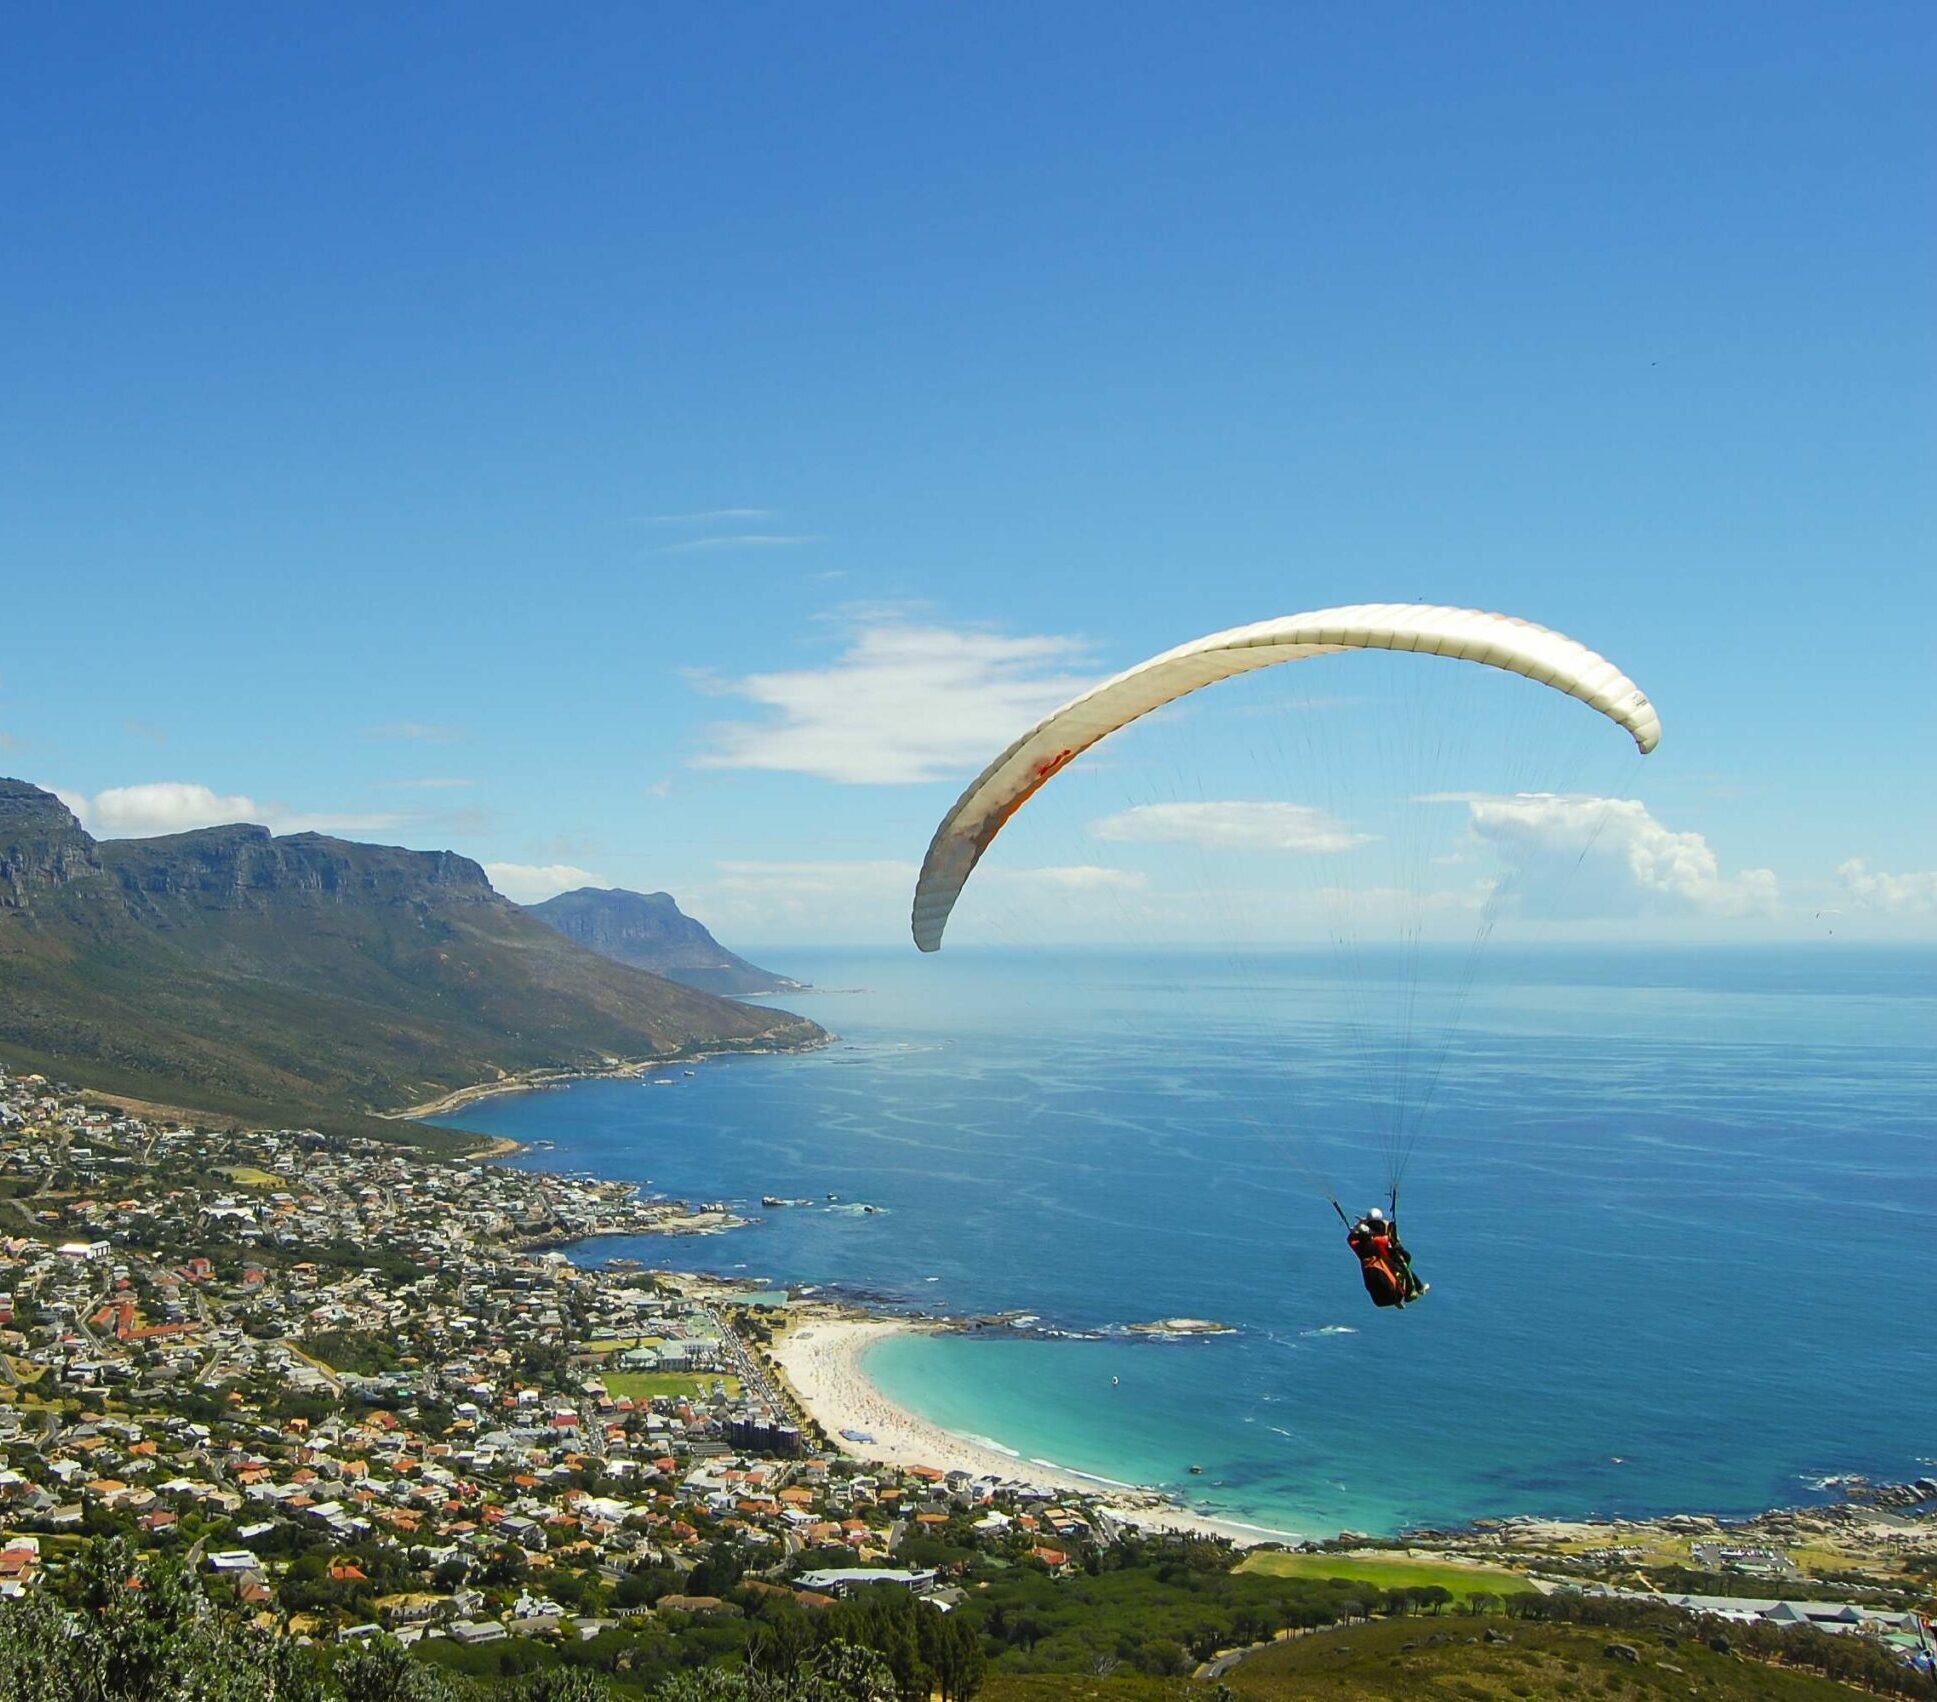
{"x":1384,"y":1263}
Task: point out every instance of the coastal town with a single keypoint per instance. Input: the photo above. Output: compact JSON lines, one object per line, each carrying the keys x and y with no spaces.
{"x":364,"y":1392}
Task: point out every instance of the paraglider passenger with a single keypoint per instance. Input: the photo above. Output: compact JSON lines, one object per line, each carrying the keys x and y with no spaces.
{"x":1398,"y":1257}
{"x":1384,"y":1264}
{"x":1375,"y":1263}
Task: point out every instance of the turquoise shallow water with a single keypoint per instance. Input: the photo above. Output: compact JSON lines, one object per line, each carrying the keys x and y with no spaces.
{"x":1678,"y":1210}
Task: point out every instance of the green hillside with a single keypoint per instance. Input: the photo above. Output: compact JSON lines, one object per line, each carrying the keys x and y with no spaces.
{"x":1449,"y":1660}
{"x":307,"y":977}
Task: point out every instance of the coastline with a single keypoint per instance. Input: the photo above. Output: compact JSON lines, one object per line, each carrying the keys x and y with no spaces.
{"x":819,"y":1358}
{"x":819,"y":1361}
{"x":532,"y":1081}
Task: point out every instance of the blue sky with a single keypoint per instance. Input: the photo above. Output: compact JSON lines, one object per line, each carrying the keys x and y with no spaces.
{"x":676,"y":445}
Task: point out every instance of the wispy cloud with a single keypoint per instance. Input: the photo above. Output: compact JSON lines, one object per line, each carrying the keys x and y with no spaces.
{"x":709,"y":517}
{"x":738,"y":541}
{"x":177,"y":806}
{"x":532,"y":883}
{"x":423,"y":732}
{"x":902,"y":702}
{"x":1900,"y":895}
{"x":869,"y":898}
{"x":144,"y":730}
{"x":1232,"y":825}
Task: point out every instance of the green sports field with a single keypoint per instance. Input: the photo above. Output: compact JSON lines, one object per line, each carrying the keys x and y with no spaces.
{"x":1398,"y":1573}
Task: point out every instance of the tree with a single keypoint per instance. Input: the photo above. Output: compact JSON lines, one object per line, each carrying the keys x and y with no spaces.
{"x":382,"y":1672}
{"x":564,"y":1684}
{"x":780,"y":1638}
{"x":155,"y":1637}
{"x":719,"y":1572}
{"x":843,"y":1673}
{"x":508,"y":1565}
{"x":1165,"y":1656}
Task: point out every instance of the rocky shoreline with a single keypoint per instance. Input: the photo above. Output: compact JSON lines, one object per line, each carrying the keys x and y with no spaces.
{"x":1872,"y":1523}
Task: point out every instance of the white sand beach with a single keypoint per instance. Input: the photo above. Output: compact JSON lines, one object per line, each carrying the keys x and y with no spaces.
{"x":820,"y":1356}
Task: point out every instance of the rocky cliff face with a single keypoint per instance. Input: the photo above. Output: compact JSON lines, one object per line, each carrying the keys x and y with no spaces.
{"x":243,"y":866}
{"x":42,"y":845}
{"x":649,"y":931}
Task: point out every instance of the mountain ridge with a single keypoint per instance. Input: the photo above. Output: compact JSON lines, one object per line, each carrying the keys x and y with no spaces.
{"x":649,"y":931}
{"x":308,"y":978}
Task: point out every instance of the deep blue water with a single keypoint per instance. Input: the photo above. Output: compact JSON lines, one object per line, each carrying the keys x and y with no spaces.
{"x":1679,"y":1211}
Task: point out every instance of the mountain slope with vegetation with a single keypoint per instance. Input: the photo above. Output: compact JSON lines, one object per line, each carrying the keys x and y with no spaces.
{"x":1454,"y":1660}
{"x":649,"y":931}
{"x":308,"y":977}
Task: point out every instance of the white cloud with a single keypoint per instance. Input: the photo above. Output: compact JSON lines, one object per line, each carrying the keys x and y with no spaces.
{"x":809,"y":880}
{"x":1232,"y":825}
{"x":424,"y":732}
{"x":869,"y":899}
{"x":709,"y":516}
{"x":177,"y":806}
{"x":739,"y":541}
{"x":162,"y":806}
{"x":1903,"y":895}
{"x":903,"y":702}
{"x":531,"y":883}
{"x":830,"y":900}
{"x":1579,"y":857}
{"x":1069,"y":877}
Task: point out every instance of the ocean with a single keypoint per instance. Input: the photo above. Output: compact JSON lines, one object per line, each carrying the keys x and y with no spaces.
{"x":1679,"y":1211}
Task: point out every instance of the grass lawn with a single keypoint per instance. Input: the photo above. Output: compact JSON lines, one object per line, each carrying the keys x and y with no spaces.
{"x":248,"y":1176}
{"x":620,"y":1344}
{"x":644,"y":1385}
{"x":1398,"y":1573}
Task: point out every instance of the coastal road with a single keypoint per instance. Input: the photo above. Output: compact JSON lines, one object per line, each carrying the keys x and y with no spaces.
{"x":1219,"y":1665}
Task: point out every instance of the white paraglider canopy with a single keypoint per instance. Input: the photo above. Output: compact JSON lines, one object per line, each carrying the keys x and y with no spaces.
{"x":1546,"y":657}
